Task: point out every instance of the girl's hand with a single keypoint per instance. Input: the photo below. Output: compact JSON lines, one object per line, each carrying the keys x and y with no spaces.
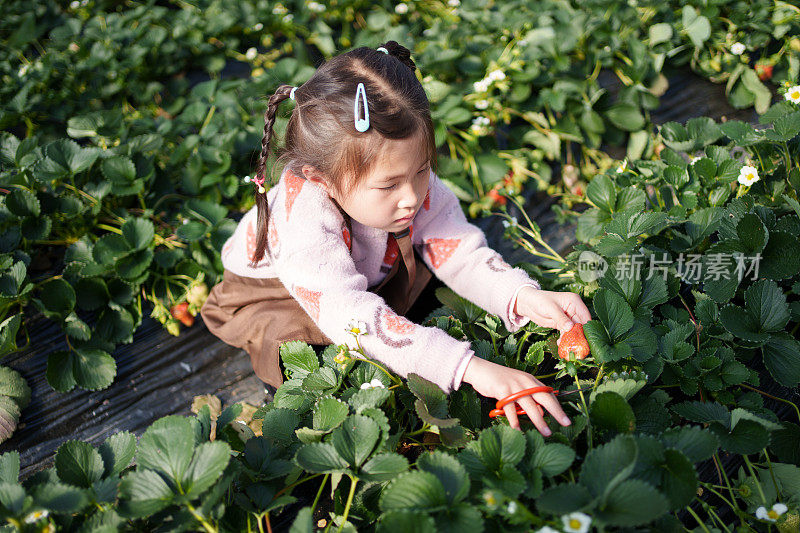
{"x":498,"y":381}
{"x":551,"y":309}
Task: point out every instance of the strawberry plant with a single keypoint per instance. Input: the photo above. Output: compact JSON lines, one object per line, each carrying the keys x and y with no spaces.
{"x":126,"y":130}
{"x":118,"y":172}
{"x":373,"y":451}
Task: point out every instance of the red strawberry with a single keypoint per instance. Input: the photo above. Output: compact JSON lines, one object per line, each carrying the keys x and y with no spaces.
{"x":764,"y":72}
{"x":573,"y":341}
{"x":497,"y":198}
{"x":181,"y":312}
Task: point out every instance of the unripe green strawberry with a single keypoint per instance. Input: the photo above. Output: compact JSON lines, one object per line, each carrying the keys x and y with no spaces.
{"x":573,"y":341}
{"x":789,"y":523}
{"x":197,"y":295}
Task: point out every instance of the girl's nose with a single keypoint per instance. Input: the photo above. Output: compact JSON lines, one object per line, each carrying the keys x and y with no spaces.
{"x":408,"y":200}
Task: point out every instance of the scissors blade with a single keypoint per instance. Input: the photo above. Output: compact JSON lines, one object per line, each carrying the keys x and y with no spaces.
{"x":573,"y":391}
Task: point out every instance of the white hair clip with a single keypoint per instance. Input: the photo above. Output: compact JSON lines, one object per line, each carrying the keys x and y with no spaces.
{"x":382,"y":49}
{"x":291,"y":93}
{"x":362,"y":124}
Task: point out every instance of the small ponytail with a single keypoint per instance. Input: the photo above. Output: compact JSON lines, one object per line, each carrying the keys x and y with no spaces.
{"x":281,"y":94}
{"x":400,"y":52}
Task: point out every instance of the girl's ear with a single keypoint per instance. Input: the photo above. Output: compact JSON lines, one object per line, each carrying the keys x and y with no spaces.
{"x":315,"y":176}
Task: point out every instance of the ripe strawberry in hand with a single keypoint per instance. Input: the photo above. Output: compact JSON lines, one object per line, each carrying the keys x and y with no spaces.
{"x":573,"y":341}
{"x":181,"y":312}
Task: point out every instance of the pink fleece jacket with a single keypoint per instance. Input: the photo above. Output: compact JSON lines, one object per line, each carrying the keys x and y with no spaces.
{"x":328,"y":271}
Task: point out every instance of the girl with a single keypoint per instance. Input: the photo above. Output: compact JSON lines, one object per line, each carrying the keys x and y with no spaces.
{"x":330,"y":250}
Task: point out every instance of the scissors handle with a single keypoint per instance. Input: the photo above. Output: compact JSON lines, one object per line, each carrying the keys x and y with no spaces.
{"x":520,"y":411}
{"x":516,"y":396}
{"x":524,"y":392}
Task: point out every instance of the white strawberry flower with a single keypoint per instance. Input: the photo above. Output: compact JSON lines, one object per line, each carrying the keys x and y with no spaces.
{"x":74,"y":4}
{"x":374,"y":384}
{"x":512,"y":223}
{"x":23,"y":69}
{"x":258,"y":26}
{"x":480,"y":126}
{"x":576,"y":522}
{"x":316,"y":7}
{"x":738,"y":49}
{"x":251,"y":53}
{"x":695,"y":160}
{"x":401,"y":8}
{"x":622,"y":167}
{"x":497,"y":75}
{"x":547,"y":529}
{"x":748,"y":175}
{"x":288,"y":18}
{"x":481,"y":86}
{"x":357,"y":327}
{"x":481,"y":104}
{"x":453,"y":3}
{"x":773,"y":514}
{"x":35,"y":516}
{"x":793,"y":94}
{"x":279,"y":9}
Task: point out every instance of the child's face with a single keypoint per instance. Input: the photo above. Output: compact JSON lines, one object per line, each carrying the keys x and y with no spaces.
{"x":390,"y":196}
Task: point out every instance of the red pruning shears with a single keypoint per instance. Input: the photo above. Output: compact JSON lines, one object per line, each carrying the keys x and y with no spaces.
{"x":498,"y":411}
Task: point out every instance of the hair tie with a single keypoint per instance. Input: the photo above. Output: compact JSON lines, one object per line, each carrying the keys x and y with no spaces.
{"x":291,"y":93}
{"x":382,"y":49}
{"x":259,"y":182}
{"x":362,"y":124}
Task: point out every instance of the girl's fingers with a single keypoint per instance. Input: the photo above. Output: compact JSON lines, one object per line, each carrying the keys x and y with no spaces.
{"x":553,"y":406}
{"x":511,"y":414}
{"x":577,"y":310}
{"x":534,"y":413}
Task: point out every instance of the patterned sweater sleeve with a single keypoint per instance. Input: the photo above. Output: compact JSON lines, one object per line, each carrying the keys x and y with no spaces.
{"x":457,"y":253}
{"x":311,"y":258}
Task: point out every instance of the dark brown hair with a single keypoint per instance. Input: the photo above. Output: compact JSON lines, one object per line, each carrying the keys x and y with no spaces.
{"x":321,"y":130}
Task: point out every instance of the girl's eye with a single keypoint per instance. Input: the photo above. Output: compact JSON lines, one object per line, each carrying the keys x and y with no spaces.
{"x":393,"y":186}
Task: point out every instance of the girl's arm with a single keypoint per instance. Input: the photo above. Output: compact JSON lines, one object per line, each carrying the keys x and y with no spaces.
{"x":457,"y":253}
{"x":315,"y":265}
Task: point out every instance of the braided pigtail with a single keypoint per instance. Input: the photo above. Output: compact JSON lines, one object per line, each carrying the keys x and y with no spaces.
{"x":260,"y":179}
{"x":400,"y":52}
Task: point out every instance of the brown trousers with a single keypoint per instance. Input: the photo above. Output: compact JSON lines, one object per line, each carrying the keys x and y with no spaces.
{"x":258,"y":315}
